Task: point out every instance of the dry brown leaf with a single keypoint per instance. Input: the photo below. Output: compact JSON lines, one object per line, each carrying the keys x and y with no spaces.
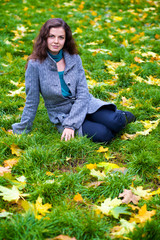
{"x":61,"y":237}
{"x":128,"y":197}
{"x":10,"y":162}
{"x":4,"y":170}
{"x":95,"y":184}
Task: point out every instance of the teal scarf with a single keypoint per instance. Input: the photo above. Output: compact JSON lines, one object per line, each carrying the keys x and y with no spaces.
{"x":57,"y":57}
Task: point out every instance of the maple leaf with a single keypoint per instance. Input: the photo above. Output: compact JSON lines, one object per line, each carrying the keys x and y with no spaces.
{"x":4,"y":170}
{"x":124,"y":228}
{"x":11,"y":194}
{"x":102,"y":149}
{"x":137,"y":59}
{"x":91,"y":166}
{"x":16,"y":150}
{"x":18,"y":92}
{"x":143,"y":215}
{"x":42,"y":208}
{"x":6,"y":214}
{"x":62,"y":237}
{"x":10,"y":162}
{"x":78,"y":198}
{"x":127,"y":102}
{"x":107,"y":166}
{"x":142,"y":193}
{"x":108,"y":205}
{"x":95,"y":184}
{"x":98,"y":174}
{"x":128,"y":197}
{"x":116,"y":211}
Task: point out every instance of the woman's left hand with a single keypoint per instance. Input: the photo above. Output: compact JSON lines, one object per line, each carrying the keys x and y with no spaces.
{"x":67,"y":134}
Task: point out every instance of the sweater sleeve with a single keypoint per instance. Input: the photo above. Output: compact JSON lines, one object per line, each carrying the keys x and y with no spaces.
{"x":79,"y":109}
{"x":32,"y":99}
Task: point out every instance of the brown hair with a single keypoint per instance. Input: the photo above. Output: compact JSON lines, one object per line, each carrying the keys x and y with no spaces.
{"x":40,"y":44}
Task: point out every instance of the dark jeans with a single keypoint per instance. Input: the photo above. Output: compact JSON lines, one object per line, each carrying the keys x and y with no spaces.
{"x":103,"y":125}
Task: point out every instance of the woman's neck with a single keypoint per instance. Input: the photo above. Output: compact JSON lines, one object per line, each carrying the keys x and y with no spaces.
{"x":58,"y":56}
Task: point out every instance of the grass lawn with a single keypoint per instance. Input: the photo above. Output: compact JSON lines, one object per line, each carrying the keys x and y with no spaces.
{"x":78,"y":189}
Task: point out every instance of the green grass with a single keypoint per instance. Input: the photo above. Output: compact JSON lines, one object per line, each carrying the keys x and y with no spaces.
{"x":127,"y":29}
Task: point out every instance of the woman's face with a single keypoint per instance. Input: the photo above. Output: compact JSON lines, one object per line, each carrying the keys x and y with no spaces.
{"x":56,"y":40}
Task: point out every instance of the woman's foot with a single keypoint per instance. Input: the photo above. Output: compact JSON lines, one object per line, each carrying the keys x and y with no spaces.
{"x":129,"y":117}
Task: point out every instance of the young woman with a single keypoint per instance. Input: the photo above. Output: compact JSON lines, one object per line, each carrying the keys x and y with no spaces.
{"x":55,"y":71}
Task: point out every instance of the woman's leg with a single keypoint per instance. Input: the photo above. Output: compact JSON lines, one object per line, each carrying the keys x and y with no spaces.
{"x":113,"y":120}
{"x":97,"y":131}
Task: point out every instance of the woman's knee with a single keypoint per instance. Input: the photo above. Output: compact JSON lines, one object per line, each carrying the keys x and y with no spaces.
{"x":103,"y":135}
{"x":118,"y":122}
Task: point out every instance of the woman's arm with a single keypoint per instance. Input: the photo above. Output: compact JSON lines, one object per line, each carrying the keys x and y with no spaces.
{"x":32,"y":99}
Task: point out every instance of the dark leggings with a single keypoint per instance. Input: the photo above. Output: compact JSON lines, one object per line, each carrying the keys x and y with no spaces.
{"x":103,"y":125}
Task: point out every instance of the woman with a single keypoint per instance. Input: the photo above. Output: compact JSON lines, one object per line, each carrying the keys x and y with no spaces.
{"x":55,"y":70}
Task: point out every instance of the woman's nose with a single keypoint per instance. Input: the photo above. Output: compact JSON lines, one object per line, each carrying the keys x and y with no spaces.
{"x":56,"y":39}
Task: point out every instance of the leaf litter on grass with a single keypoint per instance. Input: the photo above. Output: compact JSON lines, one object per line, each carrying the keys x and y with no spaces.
{"x":119,"y":46}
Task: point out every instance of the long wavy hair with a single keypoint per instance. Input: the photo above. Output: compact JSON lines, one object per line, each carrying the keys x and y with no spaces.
{"x":40,"y":44}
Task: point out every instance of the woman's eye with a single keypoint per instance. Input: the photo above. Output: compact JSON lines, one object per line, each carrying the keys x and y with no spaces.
{"x":61,"y":37}
{"x":51,"y":36}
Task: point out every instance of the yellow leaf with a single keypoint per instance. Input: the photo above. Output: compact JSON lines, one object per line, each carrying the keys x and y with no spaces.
{"x":10,"y":162}
{"x":42,"y":208}
{"x":102,"y":149}
{"x":49,"y":173}
{"x":117,"y":19}
{"x":153,"y":81}
{"x":143,"y":215}
{"x":142,"y":193}
{"x":11,"y":194}
{"x":19,"y":92}
{"x":91,"y":166}
{"x":124,"y":228}
{"x":78,"y":30}
{"x":81,"y":6}
{"x":78,"y":198}
{"x":107,"y":166}
{"x":16,"y":150}
{"x":155,"y":192}
{"x":126,"y":102}
{"x":98,"y":174}
{"x":108,"y":205}
{"x":94,"y":13}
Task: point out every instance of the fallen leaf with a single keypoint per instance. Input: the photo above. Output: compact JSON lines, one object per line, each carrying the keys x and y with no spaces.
{"x":107,"y":166}
{"x":128,"y":197}
{"x":5,"y":214}
{"x":142,"y":193}
{"x":12,"y":194}
{"x":102,"y":149}
{"x":62,"y":237}
{"x":4,"y":170}
{"x":143,"y":215}
{"x":124,"y":228}
{"x":137,"y":59}
{"x":42,"y":208}
{"x":116,"y":211}
{"x":95,"y":184}
{"x":16,"y":150}
{"x":108,"y":205}
{"x":91,"y":166}
{"x":98,"y":174}
{"x":78,"y":198}
{"x":10,"y":162}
